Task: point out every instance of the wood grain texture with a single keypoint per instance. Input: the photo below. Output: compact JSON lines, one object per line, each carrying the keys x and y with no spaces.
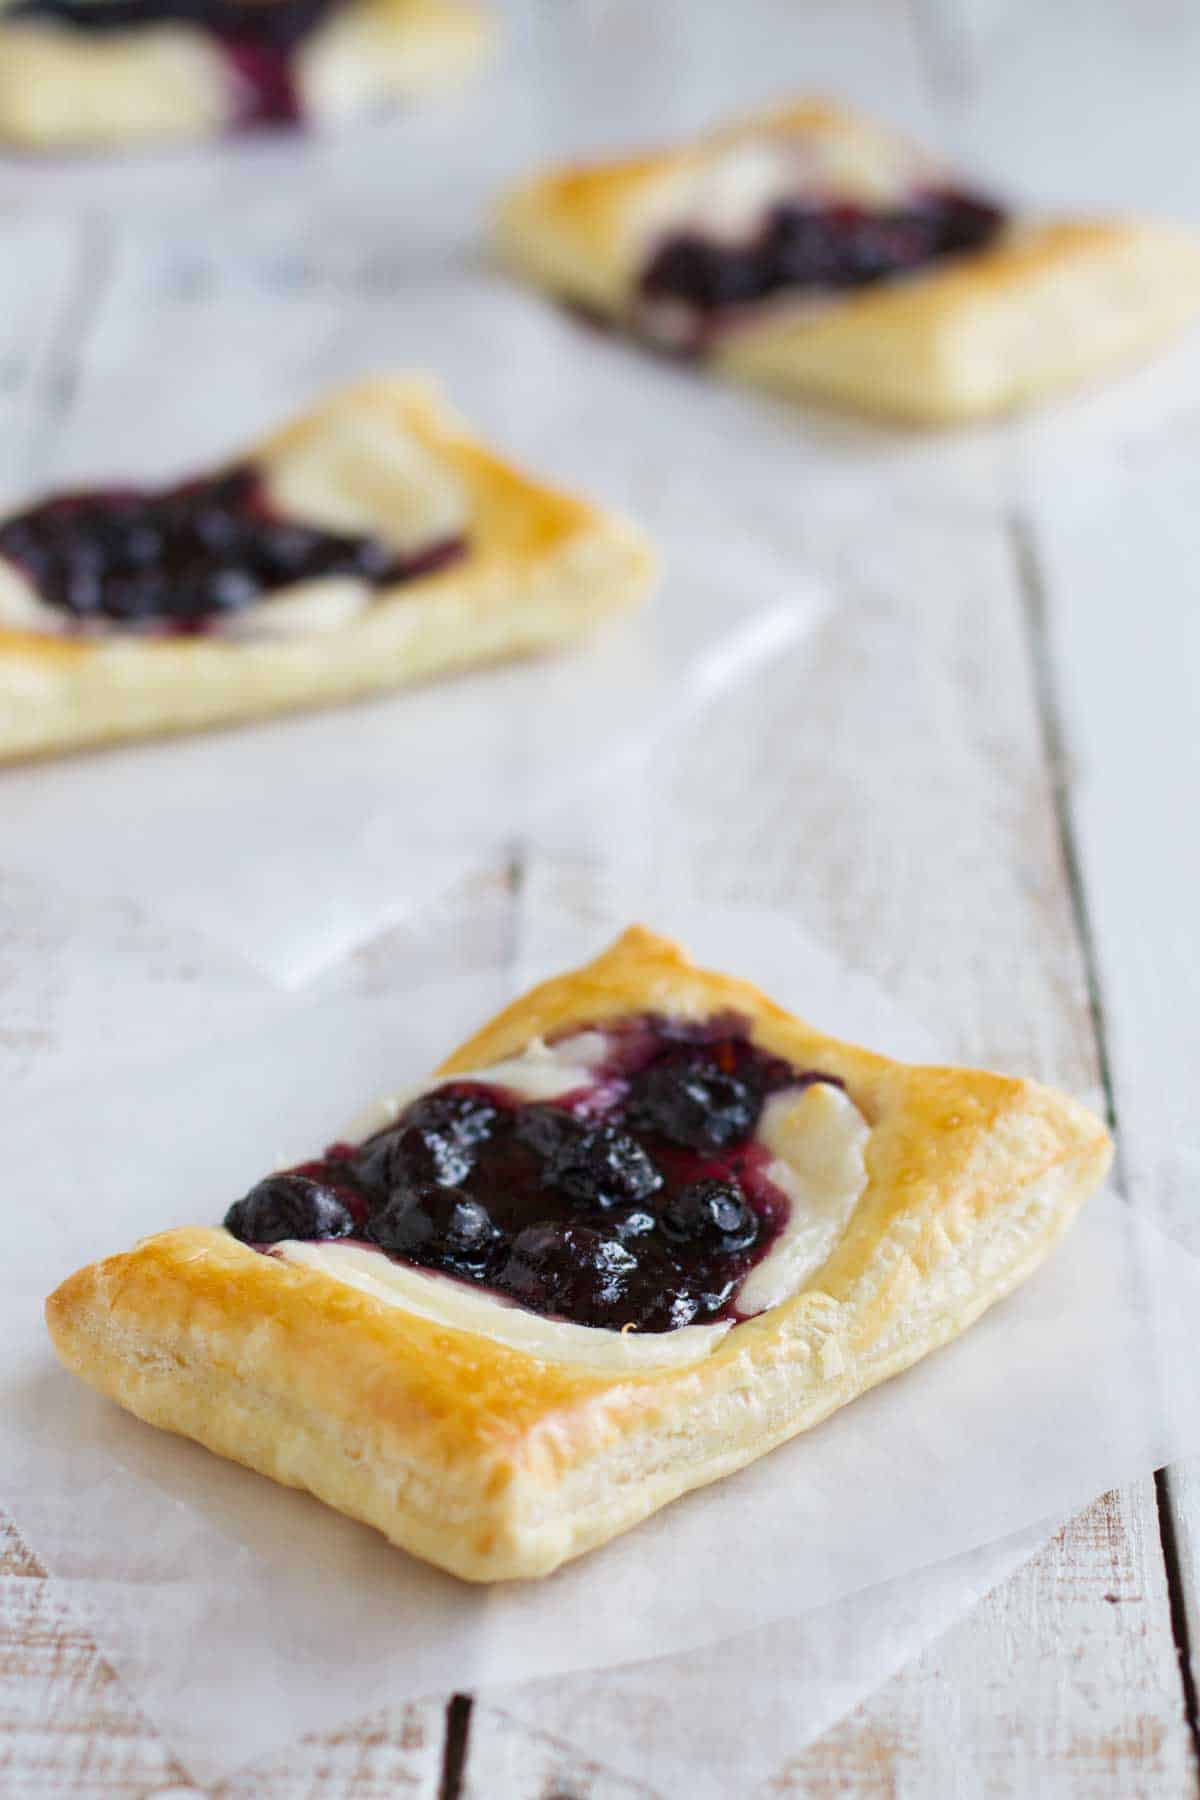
{"x":67,"y":1727}
{"x":1021,"y":1697}
{"x":1014,"y":1700}
{"x":1139,"y":864}
{"x":897,"y":789}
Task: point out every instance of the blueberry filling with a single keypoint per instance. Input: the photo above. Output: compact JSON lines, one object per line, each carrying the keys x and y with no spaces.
{"x":593,"y":1165}
{"x":810,"y":248}
{"x":710,"y":1215}
{"x":641,"y":1200}
{"x":290,"y":1205}
{"x":185,"y":558}
{"x":692,"y":1101}
{"x":570,"y":1269}
{"x":257,"y":37}
{"x":437,"y":1227}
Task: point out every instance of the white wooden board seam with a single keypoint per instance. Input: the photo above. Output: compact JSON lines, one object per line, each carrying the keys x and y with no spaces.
{"x":1035,"y":599}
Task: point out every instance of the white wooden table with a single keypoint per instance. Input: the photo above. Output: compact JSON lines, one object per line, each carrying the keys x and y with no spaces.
{"x":978,"y":785}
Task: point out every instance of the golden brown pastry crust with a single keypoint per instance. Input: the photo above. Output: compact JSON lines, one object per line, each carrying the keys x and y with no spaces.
{"x":60,"y":90}
{"x":495,"y":1464}
{"x":540,"y":569}
{"x":1048,"y":306}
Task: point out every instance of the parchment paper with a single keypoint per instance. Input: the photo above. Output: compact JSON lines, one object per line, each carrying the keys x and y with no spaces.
{"x":786,"y":1683}
{"x":294,"y":840}
{"x":241,"y":1615}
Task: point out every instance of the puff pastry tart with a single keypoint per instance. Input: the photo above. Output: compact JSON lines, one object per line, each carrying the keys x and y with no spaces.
{"x":815,"y":253}
{"x":80,"y":73}
{"x":641,"y":1229}
{"x":369,"y":543}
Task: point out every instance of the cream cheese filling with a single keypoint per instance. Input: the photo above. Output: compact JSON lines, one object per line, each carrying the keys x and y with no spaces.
{"x":737,"y":184}
{"x":541,"y":1072}
{"x":817,"y":1138}
{"x":349,"y":472}
{"x":819,"y":1141}
{"x":20,"y":607}
{"x":303,"y":609}
{"x":449,"y":1302}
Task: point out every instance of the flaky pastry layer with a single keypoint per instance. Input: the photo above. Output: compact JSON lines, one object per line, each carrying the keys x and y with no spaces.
{"x":540,"y":569}
{"x":1047,"y":307}
{"x":63,"y":89}
{"x":495,"y":1464}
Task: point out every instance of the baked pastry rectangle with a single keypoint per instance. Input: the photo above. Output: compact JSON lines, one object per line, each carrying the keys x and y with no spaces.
{"x":84,"y":74}
{"x":746,"y":1225}
{"x":811,"y":251}
{"x":461,"y":559}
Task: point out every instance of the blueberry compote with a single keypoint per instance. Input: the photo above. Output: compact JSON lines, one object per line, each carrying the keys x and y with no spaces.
{"x":808,"y":248}
{"x":187,"y":557}
{"x":257,"y":38}
{"x":640,"y":1200}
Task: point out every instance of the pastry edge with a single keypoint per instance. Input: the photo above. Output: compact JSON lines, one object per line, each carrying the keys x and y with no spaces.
{"x":541,"y":568}
{"x":321,"y":1387}
{"x":1051,"y":306}
{"x":169,"y":84}
{"x":520,"y":1515}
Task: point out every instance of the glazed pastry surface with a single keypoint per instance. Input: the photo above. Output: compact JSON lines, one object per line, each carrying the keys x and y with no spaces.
{"x":388,"y":457}
{"x":495,"y":1462}
{"x":1039,"y":307}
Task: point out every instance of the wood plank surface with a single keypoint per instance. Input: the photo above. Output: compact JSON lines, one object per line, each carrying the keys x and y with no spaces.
{"x":950,"y":790}
{"x":1123,"y":568}
{"x":894,"y":788}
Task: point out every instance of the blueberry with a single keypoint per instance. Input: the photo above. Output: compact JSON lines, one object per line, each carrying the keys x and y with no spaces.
{"x":608,"y":1168}
{"x":21,"y":543}
{"x":284,"y":23}
{"x":331,"y":555}
{"x":705,"y":275}
{"x":185,"y":556}
{"x":682,"y":269}
{"x":879,"y":244}
{"x":284,"y":552}
{"x":469,"y":1115}
{"x":143,"y":544}
{"x":133,"y":598}
{"x":737,"y":277}
{"x":693,"y":1103}
{"x":963,"y":222}
{"x":416,"y":1157}
{"x":438,"y":1227}
{"x":802,"y":249}
{"x":714,"y":1297}
{"x":229,"y":589}
{"x":85,"y":588}
{"x":634,"y":1224}
{"x":709,"y":1216}
{"x":288,"y":1206}
{"x":806,"y":246}
{"x":571,"y":1270}
{"x":672,"y":1306}
{"x":373,"y":560}
{"x":549,"y":1131}
{"x":594,"y":1165}
{"x":216,"y":530}
{"x":434,"y":1143}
